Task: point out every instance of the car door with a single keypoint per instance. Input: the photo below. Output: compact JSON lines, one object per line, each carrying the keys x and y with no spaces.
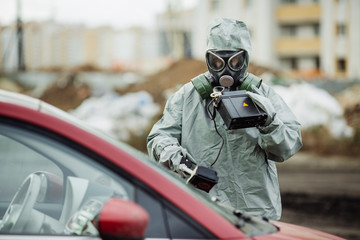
{"x":65,"y":176}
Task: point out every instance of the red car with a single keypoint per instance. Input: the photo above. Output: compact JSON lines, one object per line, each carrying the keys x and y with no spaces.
{"x":62,"y":179}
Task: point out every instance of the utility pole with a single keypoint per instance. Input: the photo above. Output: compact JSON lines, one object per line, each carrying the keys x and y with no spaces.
{"x":19,"y":33}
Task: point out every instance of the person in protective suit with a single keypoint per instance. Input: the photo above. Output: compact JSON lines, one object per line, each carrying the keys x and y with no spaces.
{"x":246,"y":165}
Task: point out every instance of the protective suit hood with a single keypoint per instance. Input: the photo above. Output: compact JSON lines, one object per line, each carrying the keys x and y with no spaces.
{"x":228,"y":35}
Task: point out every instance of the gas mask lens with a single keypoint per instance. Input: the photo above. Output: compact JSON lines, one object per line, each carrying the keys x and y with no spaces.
{"x":237,"y":61}
{"x":216,"y":61}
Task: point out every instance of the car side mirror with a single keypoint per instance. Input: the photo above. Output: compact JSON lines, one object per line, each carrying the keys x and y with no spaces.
{"x":122,"y":219}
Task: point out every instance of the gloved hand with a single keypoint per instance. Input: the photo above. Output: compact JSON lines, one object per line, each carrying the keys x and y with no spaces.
{"x":265,"y":104}
{"x":171,"y":157}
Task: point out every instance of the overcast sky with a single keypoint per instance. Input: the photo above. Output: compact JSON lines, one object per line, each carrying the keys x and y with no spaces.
{"x":118,"y":13}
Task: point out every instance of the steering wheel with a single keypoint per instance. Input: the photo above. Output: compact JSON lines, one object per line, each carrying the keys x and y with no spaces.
{"x":18,"y":213}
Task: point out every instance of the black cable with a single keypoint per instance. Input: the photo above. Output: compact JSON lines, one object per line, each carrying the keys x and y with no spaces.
{"x":212,"y":117}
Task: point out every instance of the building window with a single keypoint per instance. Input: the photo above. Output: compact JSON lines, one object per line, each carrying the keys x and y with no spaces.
{"x":317,"y":62}
{"x":294,"y":63}
{"x":288,"y":30}
{"x":316,"y":27}
{"x":289,"y":63}
{"x":341,"y":29}
{"x":340,"y":2}
{"x":289,"y":1}
{"x":341,"y":65}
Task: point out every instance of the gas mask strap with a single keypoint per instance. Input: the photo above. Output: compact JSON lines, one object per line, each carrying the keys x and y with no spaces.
{"x":202,"y":85}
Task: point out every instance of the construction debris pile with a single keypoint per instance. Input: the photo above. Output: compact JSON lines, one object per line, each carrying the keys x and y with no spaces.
{"x":126,"y":106}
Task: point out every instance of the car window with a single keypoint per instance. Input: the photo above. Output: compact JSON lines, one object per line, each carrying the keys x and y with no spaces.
{"x":157,"y":225}
{"x":45,"y":182}
{"x":166,"y":220}
{"x":15,"y":167}
{"x":66,"y":180}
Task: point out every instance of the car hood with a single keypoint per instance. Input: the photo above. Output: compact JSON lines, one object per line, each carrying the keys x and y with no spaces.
{"x":293,"y":232}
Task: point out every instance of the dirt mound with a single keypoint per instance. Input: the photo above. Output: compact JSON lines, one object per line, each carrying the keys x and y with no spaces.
{"x":349,"y":99}
{"x":176,"y":75}
{"x":66,"y":94}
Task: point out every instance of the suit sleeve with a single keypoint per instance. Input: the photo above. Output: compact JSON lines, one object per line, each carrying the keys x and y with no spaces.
{"x":163,"y":142}
{"x":281,"y":139}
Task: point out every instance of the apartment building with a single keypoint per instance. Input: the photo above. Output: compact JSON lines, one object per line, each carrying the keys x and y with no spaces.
{"x":52,"y":46}
{"x":308,"y":39}
{"x":319,"y":38}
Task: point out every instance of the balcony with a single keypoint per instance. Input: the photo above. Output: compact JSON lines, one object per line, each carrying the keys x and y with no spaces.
{"x":291,"y":46}
{"x":298,"y":13}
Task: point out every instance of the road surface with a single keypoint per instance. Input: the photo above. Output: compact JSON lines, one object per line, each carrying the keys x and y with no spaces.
{"x":322,"y":193}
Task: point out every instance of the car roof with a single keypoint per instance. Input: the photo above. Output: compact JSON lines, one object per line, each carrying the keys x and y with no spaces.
{"x":43,"y":107}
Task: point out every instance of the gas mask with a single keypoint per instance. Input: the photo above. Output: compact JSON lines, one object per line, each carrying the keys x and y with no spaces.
{"x":227,"y":68}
